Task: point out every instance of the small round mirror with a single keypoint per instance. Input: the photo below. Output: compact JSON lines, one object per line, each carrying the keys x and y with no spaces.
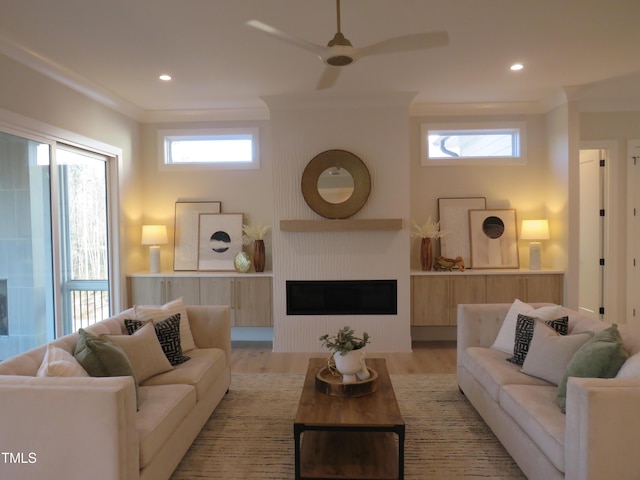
{"x":335,"y":185}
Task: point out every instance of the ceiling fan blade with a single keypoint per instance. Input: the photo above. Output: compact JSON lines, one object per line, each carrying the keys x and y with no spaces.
{"x":285,"y":37}
{"x":407,"y":43}
{"x":328,"y":78}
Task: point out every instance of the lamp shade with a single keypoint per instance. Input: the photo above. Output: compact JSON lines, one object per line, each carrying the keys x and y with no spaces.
{"x":154,"y":235}
{"x":535,"y":230}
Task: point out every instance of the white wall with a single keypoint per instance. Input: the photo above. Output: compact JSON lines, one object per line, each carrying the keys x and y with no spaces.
{"x":241,"y":191}
{"x":599,"y":128}
{"x":522,"y":187}
{"x":378,"y":134}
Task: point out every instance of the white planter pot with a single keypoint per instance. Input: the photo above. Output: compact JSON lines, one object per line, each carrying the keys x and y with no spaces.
{"x":350,"y":364}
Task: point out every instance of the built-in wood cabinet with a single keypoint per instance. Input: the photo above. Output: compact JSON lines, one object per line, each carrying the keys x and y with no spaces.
{"x":435,"y":296}
{"x":528,"y":288}
{"x":250,"y":297}
{"x":158,"y":290}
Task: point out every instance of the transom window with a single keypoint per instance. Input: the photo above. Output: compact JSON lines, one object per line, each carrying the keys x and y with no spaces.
{"x":473,"y":144}
{"x":213,"y":148}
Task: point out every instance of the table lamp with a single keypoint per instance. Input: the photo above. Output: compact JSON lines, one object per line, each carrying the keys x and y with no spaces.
{"x":154,"y":235}
{"x":535,"y":230}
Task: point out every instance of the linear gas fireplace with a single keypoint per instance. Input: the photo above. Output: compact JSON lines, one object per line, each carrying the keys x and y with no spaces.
{"x":342,"y":297}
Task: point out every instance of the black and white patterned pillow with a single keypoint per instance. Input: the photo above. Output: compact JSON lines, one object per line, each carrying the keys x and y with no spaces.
{"x":168,"y":333}
{"x":524,"y":334}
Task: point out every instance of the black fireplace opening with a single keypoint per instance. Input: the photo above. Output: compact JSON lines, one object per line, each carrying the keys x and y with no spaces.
{"x":342,"y":297}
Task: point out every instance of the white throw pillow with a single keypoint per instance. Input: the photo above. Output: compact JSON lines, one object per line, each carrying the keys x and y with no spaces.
{"x":60,"y":363}
{"x":630,"y":368}
{"x":507,"y":335}
{"x":144,"y":352}
{"x":158,"y":314}
{"x":550,"y":353}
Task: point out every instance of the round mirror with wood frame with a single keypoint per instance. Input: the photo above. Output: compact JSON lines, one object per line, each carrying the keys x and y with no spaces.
{"x":336,"y":159}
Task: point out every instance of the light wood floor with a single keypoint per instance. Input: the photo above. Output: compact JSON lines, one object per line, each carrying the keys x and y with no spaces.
{"x":426,"y":357}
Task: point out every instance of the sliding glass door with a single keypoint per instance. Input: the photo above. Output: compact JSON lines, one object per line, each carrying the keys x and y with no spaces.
{"x":54,"y":241}
{"x":84,"y":265}
{"x":26,"y":260}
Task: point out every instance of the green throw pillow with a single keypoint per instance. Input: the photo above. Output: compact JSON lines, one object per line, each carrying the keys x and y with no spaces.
{"x":101,"y":358}
{"x":600,"y":357}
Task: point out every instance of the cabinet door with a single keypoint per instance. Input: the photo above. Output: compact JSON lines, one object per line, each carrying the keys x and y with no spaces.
{"x":253,"y":302}
{"x":187,"y":287}
{"x":430,"y":300}
{"x":504,"y":288}
{"x":216,"y":291}
{"x":146,"y":291}
{"x":544,"y":288}
{"x":465,"y":289}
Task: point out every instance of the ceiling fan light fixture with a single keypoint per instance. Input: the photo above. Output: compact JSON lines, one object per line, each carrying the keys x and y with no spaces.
{"x":339,"y":60}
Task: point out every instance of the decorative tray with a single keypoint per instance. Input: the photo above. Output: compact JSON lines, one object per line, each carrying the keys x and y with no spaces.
{"x":331,"y":384}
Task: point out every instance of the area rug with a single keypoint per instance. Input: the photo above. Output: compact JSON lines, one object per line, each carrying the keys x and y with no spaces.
{"x":250,"y":434}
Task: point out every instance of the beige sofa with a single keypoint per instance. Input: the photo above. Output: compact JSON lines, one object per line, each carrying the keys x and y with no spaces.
{"x":597,"y":438}
{"x":80,"y":428}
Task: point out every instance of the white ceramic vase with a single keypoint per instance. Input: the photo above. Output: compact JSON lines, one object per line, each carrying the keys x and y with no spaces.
{"x":350,"y":364}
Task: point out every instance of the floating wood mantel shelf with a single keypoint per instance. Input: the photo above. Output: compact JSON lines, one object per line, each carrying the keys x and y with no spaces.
{"x":341,"y":225}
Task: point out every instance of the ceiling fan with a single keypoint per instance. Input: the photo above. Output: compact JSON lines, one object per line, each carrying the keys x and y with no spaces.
{"x":339,"y":52}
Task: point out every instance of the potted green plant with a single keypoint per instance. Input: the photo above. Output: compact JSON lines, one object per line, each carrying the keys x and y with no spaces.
{"x":346,"y":350}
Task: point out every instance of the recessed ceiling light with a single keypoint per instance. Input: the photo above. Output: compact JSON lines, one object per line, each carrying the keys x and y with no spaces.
{"x":165,"y":77}
{"x":517,"y":66}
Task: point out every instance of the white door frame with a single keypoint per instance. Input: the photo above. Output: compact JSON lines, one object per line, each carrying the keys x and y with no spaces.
{"x":613,"y":297}
{"x":632,"y":257}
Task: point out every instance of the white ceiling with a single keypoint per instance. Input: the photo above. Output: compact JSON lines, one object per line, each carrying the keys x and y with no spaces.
{"x":114,"y":50}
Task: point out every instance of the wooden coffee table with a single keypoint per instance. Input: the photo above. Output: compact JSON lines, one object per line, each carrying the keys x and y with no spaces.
{"x":349,"y":437}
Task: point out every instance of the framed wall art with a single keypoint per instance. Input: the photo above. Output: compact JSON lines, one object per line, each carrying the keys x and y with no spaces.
{"x":454,"y":222}
{"x":185,"y":254}
{"x":494,"y":241}
{"x":219,"y":240}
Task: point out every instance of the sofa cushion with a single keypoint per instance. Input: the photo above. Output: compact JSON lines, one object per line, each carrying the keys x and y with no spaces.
{"x":162,"y":410}
{"x":489,"y":368}
{"x":100,"y":357}
{"x":507,"y":334}
{"x":204,"y":368}
{"x":601,"y":356}
{"x":157,"y":314}
{"x":524,"y":333}
{"x":534,"y":409}
{"x":60,"y":363}
{"x":144,"y":352}
{"x":550,"y":353}
{"x":168,"y":334}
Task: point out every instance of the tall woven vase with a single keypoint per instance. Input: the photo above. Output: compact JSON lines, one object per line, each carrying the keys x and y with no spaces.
{"x":258,"y":255}
{"x":426,"y":254}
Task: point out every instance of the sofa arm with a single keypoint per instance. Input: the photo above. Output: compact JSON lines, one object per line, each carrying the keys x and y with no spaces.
{"x":211,"y":327}
{"x":72,"y":428}
{"x":603,"y":428}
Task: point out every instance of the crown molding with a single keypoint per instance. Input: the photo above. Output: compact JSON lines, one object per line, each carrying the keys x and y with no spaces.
{"x":67,"y":77}
{"x":206,"y":115}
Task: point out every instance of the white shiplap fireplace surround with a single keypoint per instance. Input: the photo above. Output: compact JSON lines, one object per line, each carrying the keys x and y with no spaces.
{"x":377,"y":131}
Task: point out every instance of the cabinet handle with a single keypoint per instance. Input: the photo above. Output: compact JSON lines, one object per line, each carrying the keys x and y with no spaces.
{"x":163,"y":292}
{"x":238,"y":299}
{"x":168,"y":291}
{"x":451,"y":293}
{"x":233,"y":294}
